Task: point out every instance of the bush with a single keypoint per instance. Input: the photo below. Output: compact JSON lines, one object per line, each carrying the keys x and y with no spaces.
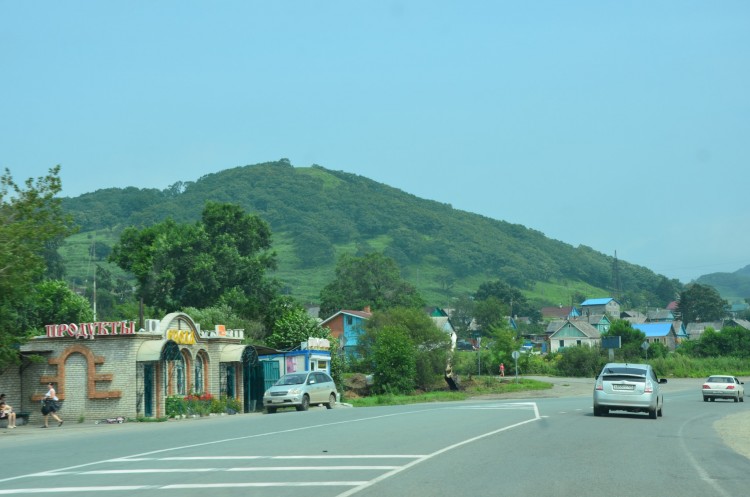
{"x":584,"y":362}
{"x":200,"y":405}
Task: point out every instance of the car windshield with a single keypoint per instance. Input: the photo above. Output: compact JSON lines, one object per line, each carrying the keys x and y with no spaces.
{"x":624,"y":371}
{"x":720,"y":379}
{"x":292,"y":379}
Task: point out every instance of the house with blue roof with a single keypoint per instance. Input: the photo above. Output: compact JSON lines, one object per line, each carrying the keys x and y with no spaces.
{"x":663,"y":332}
{"x":606,"y":305}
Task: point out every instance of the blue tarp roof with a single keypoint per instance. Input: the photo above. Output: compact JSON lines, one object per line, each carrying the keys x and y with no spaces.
{"x":603,"y":301}
{"x":654,"y":329}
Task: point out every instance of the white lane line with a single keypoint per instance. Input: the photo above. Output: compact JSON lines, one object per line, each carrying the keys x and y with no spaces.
{"x":239,"y":458}
{"x":15,"y":491}
{"x":215,"y":470}
{"x":142,"y":456}
{"x":55,"y":490}
{"x":262,"y":484}
{"x":398,"y":470}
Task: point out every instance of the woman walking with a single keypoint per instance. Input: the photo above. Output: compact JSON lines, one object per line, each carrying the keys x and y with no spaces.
{"x":49,"y":406}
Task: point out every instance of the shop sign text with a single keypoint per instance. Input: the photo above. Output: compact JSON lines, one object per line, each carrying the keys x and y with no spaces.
{"x":90,"y":330}
{"x":183,"y":337}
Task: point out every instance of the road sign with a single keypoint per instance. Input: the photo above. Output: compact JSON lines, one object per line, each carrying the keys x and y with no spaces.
{"x":516,"y":354}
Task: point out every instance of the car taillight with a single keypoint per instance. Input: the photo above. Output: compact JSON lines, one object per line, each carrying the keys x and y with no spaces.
{"x":599,"y":385}
{"x":730,"y":387}
{"x":649,"y":387}
{"x":706,"y":386}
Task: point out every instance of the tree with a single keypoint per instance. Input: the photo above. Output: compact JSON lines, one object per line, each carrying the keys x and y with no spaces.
{"x":504,"y":342}
{"x":294,"y":327}
{"x":99,"y":250}
{"x":395,"y":362}
{"x":30,"y":219}
{"x":701,"y":303}
{"x":462,"y":315}
{"x":431,"y":344}
{"x":631,"y":339}
{"x":54,"y":302}
{"x":490,"y":312}
{"x":221,"y":259}
{"x":371,"y":280}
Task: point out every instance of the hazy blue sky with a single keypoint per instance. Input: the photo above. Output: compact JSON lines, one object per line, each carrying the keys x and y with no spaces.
{"x":624,"y":126}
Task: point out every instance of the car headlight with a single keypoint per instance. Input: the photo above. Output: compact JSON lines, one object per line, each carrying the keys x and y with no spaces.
{"x":295,"y":391}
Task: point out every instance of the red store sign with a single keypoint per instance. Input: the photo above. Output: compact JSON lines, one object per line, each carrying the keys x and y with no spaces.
{"x":89,"y":330}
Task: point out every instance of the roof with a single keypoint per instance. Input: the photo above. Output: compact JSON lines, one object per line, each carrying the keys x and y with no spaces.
{"x":581,"y":326}
{"x":660,"y":315}
{"x":743,"y":323}
{"x":653,"y":330}
{"x":603,"y":301}
{"x":556,"y":311}
{"x":359,"y":314}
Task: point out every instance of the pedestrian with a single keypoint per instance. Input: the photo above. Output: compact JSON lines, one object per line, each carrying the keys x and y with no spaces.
{"x":7,"y":412}
{"x":502,"y":369}
{"x":50,"y":406}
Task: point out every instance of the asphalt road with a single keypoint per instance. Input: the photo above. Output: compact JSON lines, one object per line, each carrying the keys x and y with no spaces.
{"x":548,"y":445}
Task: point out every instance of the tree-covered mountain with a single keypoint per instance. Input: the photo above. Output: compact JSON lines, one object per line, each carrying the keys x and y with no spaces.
{"x":732,"y":286}
{"x":317,"y":214}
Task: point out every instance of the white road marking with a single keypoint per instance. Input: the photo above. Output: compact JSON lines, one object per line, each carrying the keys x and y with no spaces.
{"x":357,"y":485}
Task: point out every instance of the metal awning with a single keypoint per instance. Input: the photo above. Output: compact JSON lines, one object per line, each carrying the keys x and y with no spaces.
{"x":239,"y":352}
{"x":149,"y":351}
{"x":232,"y":353}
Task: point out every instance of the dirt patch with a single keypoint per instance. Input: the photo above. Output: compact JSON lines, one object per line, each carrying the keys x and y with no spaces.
{"x":734,"y":430}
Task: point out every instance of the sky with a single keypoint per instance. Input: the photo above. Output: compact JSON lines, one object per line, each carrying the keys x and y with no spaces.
{"x":622,"y":126}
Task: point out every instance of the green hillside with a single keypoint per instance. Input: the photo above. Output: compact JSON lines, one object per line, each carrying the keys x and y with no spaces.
{"x":735,"y":287}
{"x":318,"y":214}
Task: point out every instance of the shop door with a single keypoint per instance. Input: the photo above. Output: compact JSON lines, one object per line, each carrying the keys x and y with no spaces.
{"x":270,"y":373}
{"x":252,"y":380}
{"x":148,"y":389}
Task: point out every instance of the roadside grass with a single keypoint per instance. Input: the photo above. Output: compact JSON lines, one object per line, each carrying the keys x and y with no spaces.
{"x":483,"y":385}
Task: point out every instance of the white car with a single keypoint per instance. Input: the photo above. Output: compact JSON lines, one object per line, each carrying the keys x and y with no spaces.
{"x":723,"y":387}
{"x":299,"y":390}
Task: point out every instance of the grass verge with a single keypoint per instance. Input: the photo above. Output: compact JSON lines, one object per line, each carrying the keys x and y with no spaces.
{"x":486,"y":385}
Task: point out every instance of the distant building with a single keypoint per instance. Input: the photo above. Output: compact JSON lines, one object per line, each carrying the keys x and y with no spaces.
{"x":663,"y":333}
{"x":633,"y":316}
{"x":559,"y":312}
{"x":577,"y":333}
{"x":347,"y":326}
{"x":695,"y":330}
{"x":606,"y":305}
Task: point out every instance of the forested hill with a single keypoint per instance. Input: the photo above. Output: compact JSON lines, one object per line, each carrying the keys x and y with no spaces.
{"x":733,"y":286}
{"x":317,"y":214}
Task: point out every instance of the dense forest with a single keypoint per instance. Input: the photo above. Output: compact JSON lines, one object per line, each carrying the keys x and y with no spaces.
{"x":316,"y":215}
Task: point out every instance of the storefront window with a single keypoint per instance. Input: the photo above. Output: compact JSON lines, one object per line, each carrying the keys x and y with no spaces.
{"x":179,"y":375}
{"x":198,"y":374}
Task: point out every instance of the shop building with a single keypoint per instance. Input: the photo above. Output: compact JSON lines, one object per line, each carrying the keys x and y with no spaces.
{"x":109,"y":369}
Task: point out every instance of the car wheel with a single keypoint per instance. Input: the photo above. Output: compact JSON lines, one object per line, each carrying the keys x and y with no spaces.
{"x":305,"y":405}
{"x":705,"y":399}
{"x":270,"y":410}
{"x":742,"y":399}
{"x":597,"y":411}
{"x":660,"y":412}
{"x":652,"y":413}
{"x":737,"y":399}
{"x":331,"y":401}
{"x":713,"y":399}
